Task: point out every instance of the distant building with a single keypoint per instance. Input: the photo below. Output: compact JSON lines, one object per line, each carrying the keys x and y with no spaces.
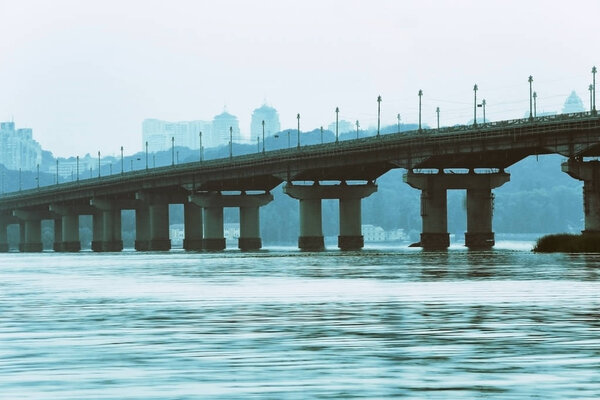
{"x":18,"y":149}
{"x":220,"y":129}
{"x":573,"y":104}
{"x":343,"y":127}
{"x":160,"y":134}
{"x":271,"y":118}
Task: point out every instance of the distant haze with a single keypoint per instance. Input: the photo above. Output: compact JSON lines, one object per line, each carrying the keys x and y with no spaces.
{"x":83,"y":75}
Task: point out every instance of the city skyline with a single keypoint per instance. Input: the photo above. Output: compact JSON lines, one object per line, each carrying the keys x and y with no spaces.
{"x":85,"y":75}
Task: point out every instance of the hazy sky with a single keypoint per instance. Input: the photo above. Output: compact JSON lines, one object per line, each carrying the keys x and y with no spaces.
{"x":84,"y":74}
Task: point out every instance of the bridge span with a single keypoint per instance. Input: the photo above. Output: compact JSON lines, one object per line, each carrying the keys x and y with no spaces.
{"x":473,"y":158}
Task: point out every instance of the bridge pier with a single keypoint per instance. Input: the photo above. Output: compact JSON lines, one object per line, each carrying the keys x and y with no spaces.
{"x":434,"y":213}
{"x":589,"y":173}
{"x":107,"y":226}
{"x":249,"y":204}
{"x":311,"y":229}
{"x":3,"y":235}
{"x":57,"y":244}
{"x":159,"y":226}
{"x":142,"y":228}
{"x":30,"y":231}
{"x":192,"y":215}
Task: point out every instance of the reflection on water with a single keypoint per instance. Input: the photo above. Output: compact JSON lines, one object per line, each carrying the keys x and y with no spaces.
{"x":279,"y":324}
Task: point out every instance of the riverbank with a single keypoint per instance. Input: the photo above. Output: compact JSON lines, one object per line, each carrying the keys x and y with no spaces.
{"x":568,"y":243}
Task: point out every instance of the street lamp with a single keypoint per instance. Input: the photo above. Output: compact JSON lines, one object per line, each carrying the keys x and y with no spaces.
{"x":483,"y":103}
{"x":20,"y":180}
{"x":263,"y":126}
{"x":289,"y":143}
{"x":437,"y":111}
{"x":321,"y":134}
{"x":378,"y":114}
{"x":56,"y":171}
{"x":146,"y":155}
{"x":98,"y":163}
{"x":594,"y":70}
{"x":530,"y":80}
{"x":337,"y":113}
{"x":131,"y":164}
{"x":121,"y":160}
{"x":398,"y":123}
{"x":591,"y":89}
{"x":475,"y":105}
{"x":78,"y":167}
{"x":420,"y":95}
{"x":200,"y":148}
{"x":298,"y":117}
{"x":357,"y":126}
{"x":38,"y":176}
{"x":172,"y":150}
{"x":231,"y":142}
{"x":534,"y":104}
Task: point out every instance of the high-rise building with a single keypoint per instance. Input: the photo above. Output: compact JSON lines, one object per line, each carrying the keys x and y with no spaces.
{"x":271,"y":118}
{"x":160,"y":134}
{"x":573,"y":104}
{"x":220,"y":129}
{"x":18,"y":149}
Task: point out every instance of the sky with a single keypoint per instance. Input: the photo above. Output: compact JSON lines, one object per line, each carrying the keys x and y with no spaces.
{"x":85,"y":74}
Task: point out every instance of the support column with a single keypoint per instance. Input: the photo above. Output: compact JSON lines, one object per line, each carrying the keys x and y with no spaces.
{"x":311,"y":231}
{"x":3,"y":236}
{"x":159,"y":227}
{"x":30,"y":230}
{"x":589,"y":173}
{"x":213,"y":204}
{"x":434,"y":206}
{"x":192,"y":215}
{"x":142,"y":228}
{"x":58,"y":245}
{"x":97,"y":231}
{"x":111,"y":234}
{"x":214,"y":239}
{"x":70,"y":233}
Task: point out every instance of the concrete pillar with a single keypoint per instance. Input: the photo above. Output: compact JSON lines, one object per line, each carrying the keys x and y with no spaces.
{"x":311,"y":231}
{"x":213,"y":204}
{"x":589,"y":173}
{"x":213,"y":229}
{"x":3,"y":236}
{"x":159,"y":227}
{"x":70,"y":233}
{"x":21,"y":235}
{"x":111,"y":230}
{"x":142,"y":228}
{"x":434,"y":206}
{"x":350,"y":237}
{"x":33,"y":236}
{"x":192,"y":215}
{"x":58,"y":245}
{"x":97,"y":231}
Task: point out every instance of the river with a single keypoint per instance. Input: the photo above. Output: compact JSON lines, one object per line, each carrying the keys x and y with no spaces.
{"x":282,"y":324}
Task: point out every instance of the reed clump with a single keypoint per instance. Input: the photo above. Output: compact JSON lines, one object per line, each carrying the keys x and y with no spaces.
{"x":568,"y":243}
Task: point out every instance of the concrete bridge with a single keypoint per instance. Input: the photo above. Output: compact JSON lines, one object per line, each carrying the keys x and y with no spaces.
{"x":472,"y":158}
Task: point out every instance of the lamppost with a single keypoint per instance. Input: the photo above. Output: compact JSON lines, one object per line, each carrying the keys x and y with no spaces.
{"x":534,"y":104}
{"x":200,"y":148}
{"x":146,"y":155}
{"x":357,"y":126}
{"x":298,"y":117}
{"x":398,"y":123}
{"x":258,"y":144}
{"x":78,"y":166}
{"x":475,"y":105}
{"x":337,"y":113}
{"x":591,"y":89}
{"x":420,"y":95}
{"x":289,"y":143}
{"x":172,"y":150}
{"x":263,"y":126}
{"x":321,"y":134}
{"x":110,"y":168}
{"x":122,"y":169}
{"x":594,"y":70}
{"x":483,"y":103}
{"x":56,"y":171}
{"x":231,"y":142}
{"x":437,"y":111}
{"x":378,"y":114}
{"x":38,"y":176}
{"x":153,"y":160}
{"x":20,"y":180}
{"x":177,"y":159}
{"x":2,"y":184}
{"x":98,"y":163}
{"x":131,"y":165}
{"x":530,"y":80}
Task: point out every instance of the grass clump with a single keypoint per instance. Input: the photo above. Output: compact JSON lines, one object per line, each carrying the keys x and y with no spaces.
{"x":568,"y":243}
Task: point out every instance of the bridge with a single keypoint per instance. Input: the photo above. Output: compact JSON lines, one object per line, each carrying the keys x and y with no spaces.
{"x":471,"y":157}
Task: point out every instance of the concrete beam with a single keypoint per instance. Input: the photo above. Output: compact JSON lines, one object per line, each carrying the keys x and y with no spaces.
{"x":216,"y":199}
{"x":322,"y":192}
